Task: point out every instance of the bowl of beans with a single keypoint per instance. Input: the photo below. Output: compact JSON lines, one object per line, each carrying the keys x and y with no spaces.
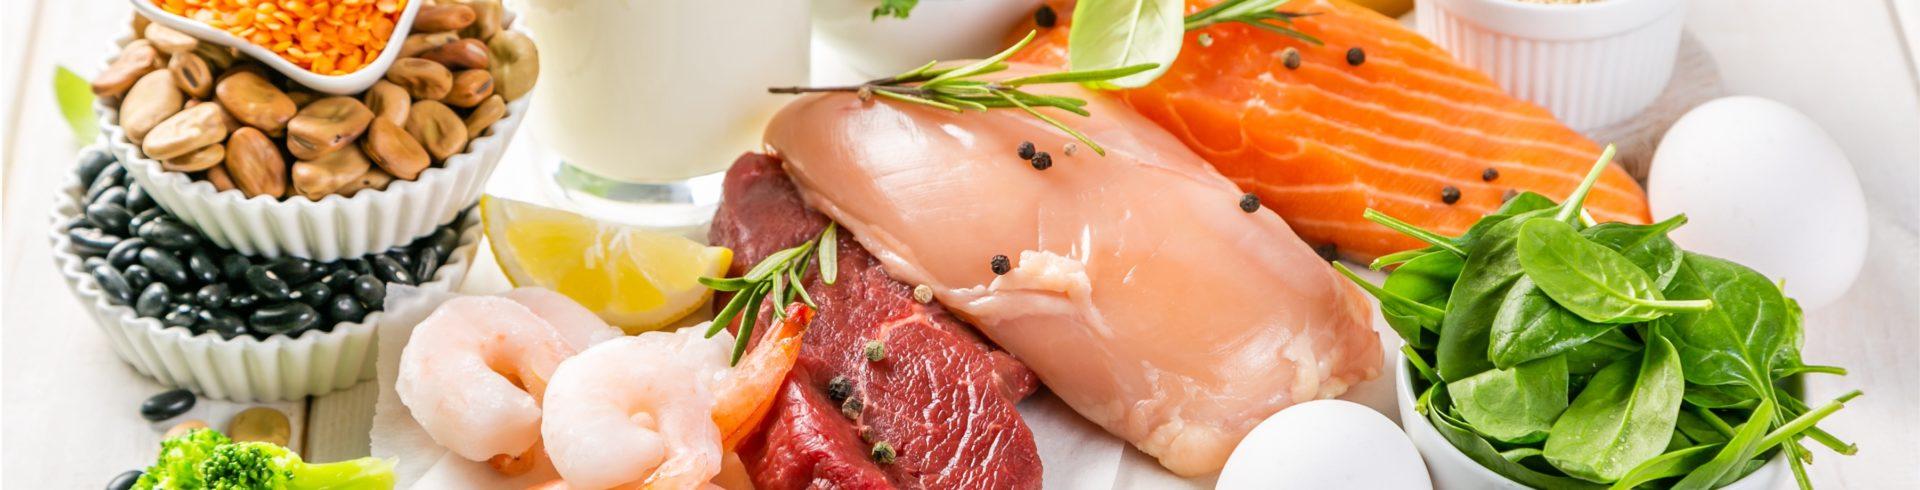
{"x":226,"y":324}
{"x":338,"y":49}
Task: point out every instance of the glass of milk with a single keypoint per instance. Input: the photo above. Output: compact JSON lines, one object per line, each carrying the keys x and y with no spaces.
{"x":647,"y":102}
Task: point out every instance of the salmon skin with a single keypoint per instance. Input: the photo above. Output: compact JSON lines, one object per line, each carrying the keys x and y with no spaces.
{"x":1322,"y":142}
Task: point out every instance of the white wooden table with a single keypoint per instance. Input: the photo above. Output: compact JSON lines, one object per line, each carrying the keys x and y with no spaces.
{"x":68,"y":407}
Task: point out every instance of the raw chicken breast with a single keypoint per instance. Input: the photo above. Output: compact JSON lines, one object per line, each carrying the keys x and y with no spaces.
{"x":1138,"y":290}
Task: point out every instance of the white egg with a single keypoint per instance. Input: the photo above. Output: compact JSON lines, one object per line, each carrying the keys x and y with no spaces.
{"x":1325,"y":444}
{"x":1764,"y":186}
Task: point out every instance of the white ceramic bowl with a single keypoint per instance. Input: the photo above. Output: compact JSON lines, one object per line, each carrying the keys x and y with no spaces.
{"x":1453,"y":470}
{"x":936,"y":30}
{"x":1592,"y":64}
{"x":349,"y":83}
{"x":243,"y":368}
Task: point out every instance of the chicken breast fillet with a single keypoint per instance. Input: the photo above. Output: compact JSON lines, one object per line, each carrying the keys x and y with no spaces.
{"x":1136,"y":287}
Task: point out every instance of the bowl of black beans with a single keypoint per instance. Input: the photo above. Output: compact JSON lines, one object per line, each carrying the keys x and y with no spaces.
{"x":228,"y":325}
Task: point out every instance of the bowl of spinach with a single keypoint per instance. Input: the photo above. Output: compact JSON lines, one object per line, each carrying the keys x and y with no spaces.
{"x":1548,"y":351}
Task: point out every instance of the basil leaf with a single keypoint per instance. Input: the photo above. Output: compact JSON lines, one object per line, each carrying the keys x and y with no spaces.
{"x":1671,"y":464}
{"x":1737,"y":342}
{"x":1646,"y":246}
{"x":1590,"y":357}
{"x":1529,"y":325}
{"x":1111,"y":34}
{"x":1516,"y":405}
{"x":1744,"y":445}
{"x":1483,"y":452}
{"x":75,"y":99}
{"x":1491,"y":269}
{"x":1623,"y":418}
{"x":1592,"y":280}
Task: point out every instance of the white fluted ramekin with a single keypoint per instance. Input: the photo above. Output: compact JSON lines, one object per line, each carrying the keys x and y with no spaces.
{"x":334,"y":227}
{"x":1592,"y":64}
{"x":242,"y":368}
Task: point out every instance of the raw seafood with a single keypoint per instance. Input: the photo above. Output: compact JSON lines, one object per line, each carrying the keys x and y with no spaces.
{"x":576,"y":324}
{"x":1138,"y":290}
{"x":473,"y":375}
{"x":943,"y":398}
{"x":1322,"y":142}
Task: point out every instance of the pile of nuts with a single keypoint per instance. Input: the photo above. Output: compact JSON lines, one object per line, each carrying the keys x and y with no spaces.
{"x":204,"y":109}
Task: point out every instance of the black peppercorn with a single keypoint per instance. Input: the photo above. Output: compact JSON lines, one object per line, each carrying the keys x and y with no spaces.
{"x":1489,"y":174}
{"x":1327,"y":251}
{"x":1045,"y":17}
{"x":1000,"y":265}
{"x":839,"y":388}
{"x":1356,"y":56}
{"x":876,"y":351}
{"x":883,"y":453}
{"x":852,"y":407}
{"x":1290,"y":58}
{"x":1449,"y":194}
{"x":1042,"y":161}
{"x":1026,"y":150}
{"x":1249,"y":202}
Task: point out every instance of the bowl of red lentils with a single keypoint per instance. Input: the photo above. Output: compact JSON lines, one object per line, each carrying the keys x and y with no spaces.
{"x":337,"y":47}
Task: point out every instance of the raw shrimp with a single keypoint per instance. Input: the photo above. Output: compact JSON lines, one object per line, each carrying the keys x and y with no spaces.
{"x":577,"y":324}
{"x":474,"y":373}
{"x":659,"y":409}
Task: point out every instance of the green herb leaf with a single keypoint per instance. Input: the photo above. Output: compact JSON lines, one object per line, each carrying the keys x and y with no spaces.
{"x":1516,"y":405}
{"x":1491,"y":269}
{"x":1671,"y":464}
{"x":1081,"y":76}
{"x":1109,"y":34}
{"x":1575,"y":204}
{"x":1592,"y":280}
{"x":1530,"y":325}
{"x":898,"y":9}
{"x":1480,"y":451}
{"x":1646,"y":246}
{"x":829,"y":254}
{"x":1737,"y":342}
{"x":1406,"y":316}
{"x":1623,"y":417}
{"x":75,"y":98}
{"x":1590,"y":357}
{"x":1409,"y":229}
{"x":718,"y":284}
{"x":1742,"y":447}
{"x":1255,"y":13}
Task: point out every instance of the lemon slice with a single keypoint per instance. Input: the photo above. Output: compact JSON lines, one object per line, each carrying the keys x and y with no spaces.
{"x":636,"y":279}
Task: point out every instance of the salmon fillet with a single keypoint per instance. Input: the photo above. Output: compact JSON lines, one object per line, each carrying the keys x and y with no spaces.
{"x":1323,"y":142}
{"x":1133,"y":284}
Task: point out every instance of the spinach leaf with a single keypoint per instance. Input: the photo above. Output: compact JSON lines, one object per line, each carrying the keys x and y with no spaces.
{"x":1623,"y":418}
{"x":1589,"y":357}
{"x":1671,"y":464}
{"x":1407,"y":317}
{"x":1698,"y":429}
{"x":1744,"y":445}
{"x":1427,"y":279}
{"x":1589,"y":279}
{"x":1531,"y":326}
{"x":1521,"y":203}
{"x":1483,"y":452}
{"x":1490,"y":270}
{"x":1721,"y":396}
{"x":1646,"y":246}
{"x":1515,"y":405}
{"x":1737,"y":342}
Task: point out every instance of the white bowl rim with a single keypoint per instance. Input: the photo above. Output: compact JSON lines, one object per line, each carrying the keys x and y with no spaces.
{"x":353,"y":82}
{"x":1560,"y":22}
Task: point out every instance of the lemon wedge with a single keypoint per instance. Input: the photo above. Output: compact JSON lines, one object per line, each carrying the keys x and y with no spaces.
{"x":636,"y":279}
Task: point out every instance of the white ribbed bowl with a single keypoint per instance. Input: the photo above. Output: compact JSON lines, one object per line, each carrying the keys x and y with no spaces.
{"x":242,"y":368}
{"x":1592,"y":64}
{"x":334,"y":227}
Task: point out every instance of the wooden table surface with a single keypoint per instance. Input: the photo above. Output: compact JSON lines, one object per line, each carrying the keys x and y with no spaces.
{"x":68,"y":406}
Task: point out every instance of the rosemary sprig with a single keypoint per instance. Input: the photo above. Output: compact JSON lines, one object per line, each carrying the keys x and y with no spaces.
{"x":1254,"y":13}
{"x":959,"y":89}
{"x":779,"y":276}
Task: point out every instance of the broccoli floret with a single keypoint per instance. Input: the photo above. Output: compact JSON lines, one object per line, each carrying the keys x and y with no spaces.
{"x":180,"y":456}
{"x":259,"y":465}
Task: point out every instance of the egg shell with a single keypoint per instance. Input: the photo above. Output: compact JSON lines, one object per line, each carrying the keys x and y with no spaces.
{"x":1764,"y":186}
{"x":1325,"y":444}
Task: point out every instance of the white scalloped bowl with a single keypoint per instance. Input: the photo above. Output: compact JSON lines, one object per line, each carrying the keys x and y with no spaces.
{"x":243,"y":368}
{"x":349,"y":83}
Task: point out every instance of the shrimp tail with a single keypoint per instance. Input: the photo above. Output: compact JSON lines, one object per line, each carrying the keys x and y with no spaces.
{"x":744,"y":398}
{"x":512,"y":465}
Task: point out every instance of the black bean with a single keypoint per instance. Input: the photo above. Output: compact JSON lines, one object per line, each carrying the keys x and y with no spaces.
{"x":390,"y":270}
{"x":92,"y":241}
{"x":143,"y":217}
{"x":444,"y":241}
{"x":109,"y":217}
{"x":138,"y":199}
{"x":223,"y":323}
{"x":181,"y":315}
{"x":125,"y":481}
{"x":167,"y":405}
{"x":92,"y":163}
{"x":126,"y":253}
{"x":360,"y":266}
{"x":112,"y":285}
{"x":213,"y":295}
{"x":234,"y":267}
{"x":268,"y":284}
{"x":294,"y":270}
{"x":203,"y":267}
{"x":165,"y":266}
{"x":153,"y":300}
{"x":107,"y":180}
{"x":370,"y":291}
{"x":243,"y":300}
{"x":138,"y":276}
{"x":341,"y":281}
{"x":400,"y":255}
{"x":91,"y":262}
{"x":182,"y":297}
{"x":76,"y":222}
{"x":170,"y":234}
{"x":282,"y":318}
{"x":344,"y":308}
{"x":425,"y":267}
{"x":314,"y":294}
